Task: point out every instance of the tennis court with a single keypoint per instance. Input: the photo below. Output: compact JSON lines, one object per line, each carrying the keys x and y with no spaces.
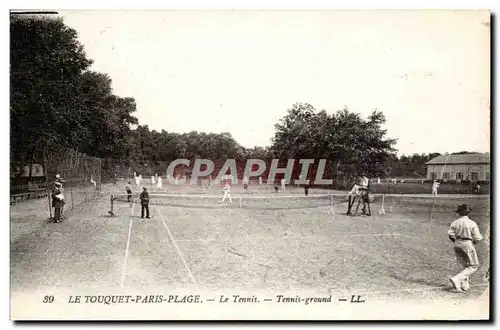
{"x":262,"y":242}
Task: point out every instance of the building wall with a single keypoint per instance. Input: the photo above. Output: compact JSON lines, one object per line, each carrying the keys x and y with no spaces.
{"x":457,"y":171}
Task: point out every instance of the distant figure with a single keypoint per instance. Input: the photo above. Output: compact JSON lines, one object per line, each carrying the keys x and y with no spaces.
{"x":144,"y":203}
{"x":245,"y":183}
{"x":57,"y":201}
{"x":276,"y":189}
{"x":354,"y":194}
{"x":93,"y":182}
{"x":60,"y":180}
{"x":306,"y":189}
{"x":159,"y":183}
{"x":176,"y":180}
{"x":283,"y":186}
{"x":365,"y":194}
{"x":435,"y":187}
{"x":128,"y":189}
{"x":464,"y":234}
{"x":152,"y":179}
{"x":477,"y":188}
{"x":260,"y":180}
{"x":360,"y":192}
{"x":378,"y":180}
{"x":137,"y":182}
{"x":226,"y":193}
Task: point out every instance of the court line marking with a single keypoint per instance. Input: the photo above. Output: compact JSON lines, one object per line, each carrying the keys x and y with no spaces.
{"x":177,"y":248}
{"x":290,"y":237}
{"x":127,"y":248}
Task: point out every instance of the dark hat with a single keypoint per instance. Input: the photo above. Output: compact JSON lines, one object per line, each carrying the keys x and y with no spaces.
{"x":58,"y":184}
{"x":145,"y":188}
{"x":463,"y":209}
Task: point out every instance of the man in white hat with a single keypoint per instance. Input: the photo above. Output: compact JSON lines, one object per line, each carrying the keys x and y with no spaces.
{"x":465,"y":234}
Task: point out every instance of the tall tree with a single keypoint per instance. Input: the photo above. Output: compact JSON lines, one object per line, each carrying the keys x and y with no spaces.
{"x":46,"y":61}
{"x":350,"y":143}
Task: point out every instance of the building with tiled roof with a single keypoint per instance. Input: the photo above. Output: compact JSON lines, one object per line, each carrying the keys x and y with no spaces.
{"x":459,"y":167}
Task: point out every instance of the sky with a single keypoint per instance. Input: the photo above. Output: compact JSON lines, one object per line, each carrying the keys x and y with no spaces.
{"x":239,"y":71}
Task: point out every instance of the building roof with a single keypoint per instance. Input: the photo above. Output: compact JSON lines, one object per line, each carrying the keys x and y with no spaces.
{"x":460,"y":159}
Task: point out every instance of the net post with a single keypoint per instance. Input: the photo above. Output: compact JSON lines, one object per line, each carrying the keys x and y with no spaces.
{"x":50,"y":203}
{"x":331,"y":210}
{"x":46,"y":174}
{"x":382,"y":210}
{"x":111,"y":213}
{"x":430,"y":219}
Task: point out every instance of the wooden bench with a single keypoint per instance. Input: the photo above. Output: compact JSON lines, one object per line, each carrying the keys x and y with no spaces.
{"x":32,"y":194}
{"x":19,"y":197}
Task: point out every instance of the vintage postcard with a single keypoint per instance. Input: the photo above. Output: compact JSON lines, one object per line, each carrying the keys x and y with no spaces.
{"x":250,"y":165}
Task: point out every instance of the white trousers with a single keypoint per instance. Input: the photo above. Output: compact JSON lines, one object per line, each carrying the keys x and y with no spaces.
{"x":227,"y":195}
{"x":467,"y":260}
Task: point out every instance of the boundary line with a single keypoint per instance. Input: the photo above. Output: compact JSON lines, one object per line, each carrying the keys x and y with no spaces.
{"x":124,"y":269}
{"x":290,"y":237}
{"x":177,"y":248}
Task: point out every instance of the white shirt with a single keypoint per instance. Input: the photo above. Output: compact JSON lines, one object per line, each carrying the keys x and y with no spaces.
{"x":465,"y":228}
{"x":355,"y":190}
{"x":364,"y":181}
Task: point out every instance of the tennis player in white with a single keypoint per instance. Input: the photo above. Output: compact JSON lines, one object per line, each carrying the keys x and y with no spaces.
{"x":435,"y":187}
{"x":226,"y":193}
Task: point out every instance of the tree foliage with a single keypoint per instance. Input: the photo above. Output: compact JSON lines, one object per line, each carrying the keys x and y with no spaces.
{"x":350,"y":143}
{"x":410,"y":166}
{"x":55,"y":99}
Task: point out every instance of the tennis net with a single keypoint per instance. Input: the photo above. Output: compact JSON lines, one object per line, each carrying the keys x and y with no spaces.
{"x":379,"y":203}
{"x":265,"y":201}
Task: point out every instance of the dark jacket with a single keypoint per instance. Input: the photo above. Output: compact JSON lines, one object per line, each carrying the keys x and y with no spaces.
{"x":55,"y":201}
{"x":144,"y":198}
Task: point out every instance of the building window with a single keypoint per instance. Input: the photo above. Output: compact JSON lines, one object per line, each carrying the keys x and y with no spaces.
{"x":446,"y":175}
{"x":474,"y":176}
{"x":460,"y":176}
